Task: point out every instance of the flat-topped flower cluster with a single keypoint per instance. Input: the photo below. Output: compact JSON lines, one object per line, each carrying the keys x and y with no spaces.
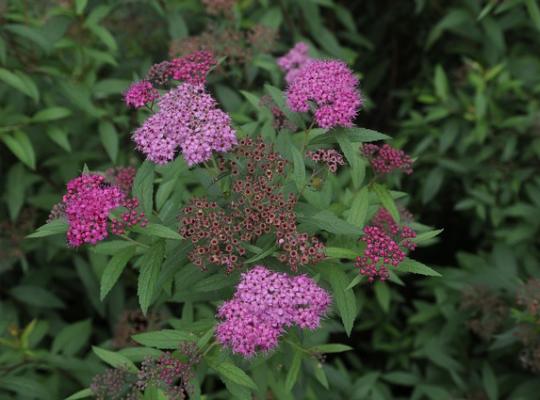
{"x":264,"y":304}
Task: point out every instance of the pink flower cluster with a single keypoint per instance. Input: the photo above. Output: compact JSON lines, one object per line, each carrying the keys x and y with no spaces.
{"x":87,"y":205}
{"x":139,"y":94}
{"x":387,"y":243}
{"x":385,"y":159}
{"x":264,"y":304}
{"x":193,"y":67}
{"x":333,"y":88}
{"x":401,"y":233}
{"x":188,"y":118}
{"x":332,"y":158}
{"x":295,"y":59}
{"x":381,"y":252}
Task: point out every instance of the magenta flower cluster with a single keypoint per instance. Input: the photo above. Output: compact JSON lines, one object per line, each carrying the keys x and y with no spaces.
{"x":332,"y":86}
{"x":139,"y":94}
{"x":295,"y":59}
{"x":387,"y":243}
{"x":87,"y":204}
{"x":385,"y":159}
{"x":188,"y":119}
{"x":400,"y":233}
{"x":380,"y":253}
{"x":192,"y":68}
{"x":264,"y":304}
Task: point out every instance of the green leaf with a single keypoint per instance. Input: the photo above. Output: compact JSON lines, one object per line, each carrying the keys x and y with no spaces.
{"x":158,"y":230}
{"x":212,"y":283}
{"x":20,"y":145}
{"x":104,"y":35}
{"x":261,"y":254}
{"x":15,"y":190}
{"x":80,"y":5}
{"x":72,"y":338}
{"x":18,"y":81}
{"x":402,"y":378}
{"x":51,"y":114}
{"x":359,"y":207}
{"x":115,"y":360}
{"x":164,"y":339}
{"x":344,"y":298}
{"x":60,"y":137}
{"x":279,"y":99}
{"x":489,"y":381}
{"x":143,"y":186}
{"x":111,"y":247}
{"x":114,"y":269}
{"x":382,"y":293}
{"x":231,"y":372}
{"x":299,"y":172}
{"x":416,"y":267}
{"x":81,"y":394}
{"x":534,"y":12}
{"x":356,"y":280}
{"x":54,"y":227}
{"x":294,"y":370}
{"x":252,"y":99}
{"x":25,"y":387}
{"x":432,"y":184}
{"x":149,"y":274}
{"x":109,"y":139}
{"x":363,"y":134}
{"x":353,"y":157}
{"x":320,"y":375}
{"x":339,"y":252}
{"x":386,"y":200}
{"x":425,"y":236}
{"x":327,"y":221}
{"x":441,"y":83}
{"x":330,"y":348}
{"x":138,"y":354}
{"x":36,"y":296}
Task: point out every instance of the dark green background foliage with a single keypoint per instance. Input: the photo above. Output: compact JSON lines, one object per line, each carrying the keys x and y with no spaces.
{"x":454,"y":83}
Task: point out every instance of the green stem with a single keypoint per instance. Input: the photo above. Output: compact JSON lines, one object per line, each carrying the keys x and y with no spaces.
{"x":306,"y":137}
{"x":211,"y":345}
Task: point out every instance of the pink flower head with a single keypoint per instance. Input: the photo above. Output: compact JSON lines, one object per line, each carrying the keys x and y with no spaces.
{"x":264,"y":304}
{"x":295,"y":59}
{"x":400,"y":233}
{"x":193,"y":67}
{"x":385,"y":159}
{"x":139,"y":94}
{"x":381,"y":252}
{"x":331,"y":85}
{"x":87,"y":205}
{"x":188,"y":119}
